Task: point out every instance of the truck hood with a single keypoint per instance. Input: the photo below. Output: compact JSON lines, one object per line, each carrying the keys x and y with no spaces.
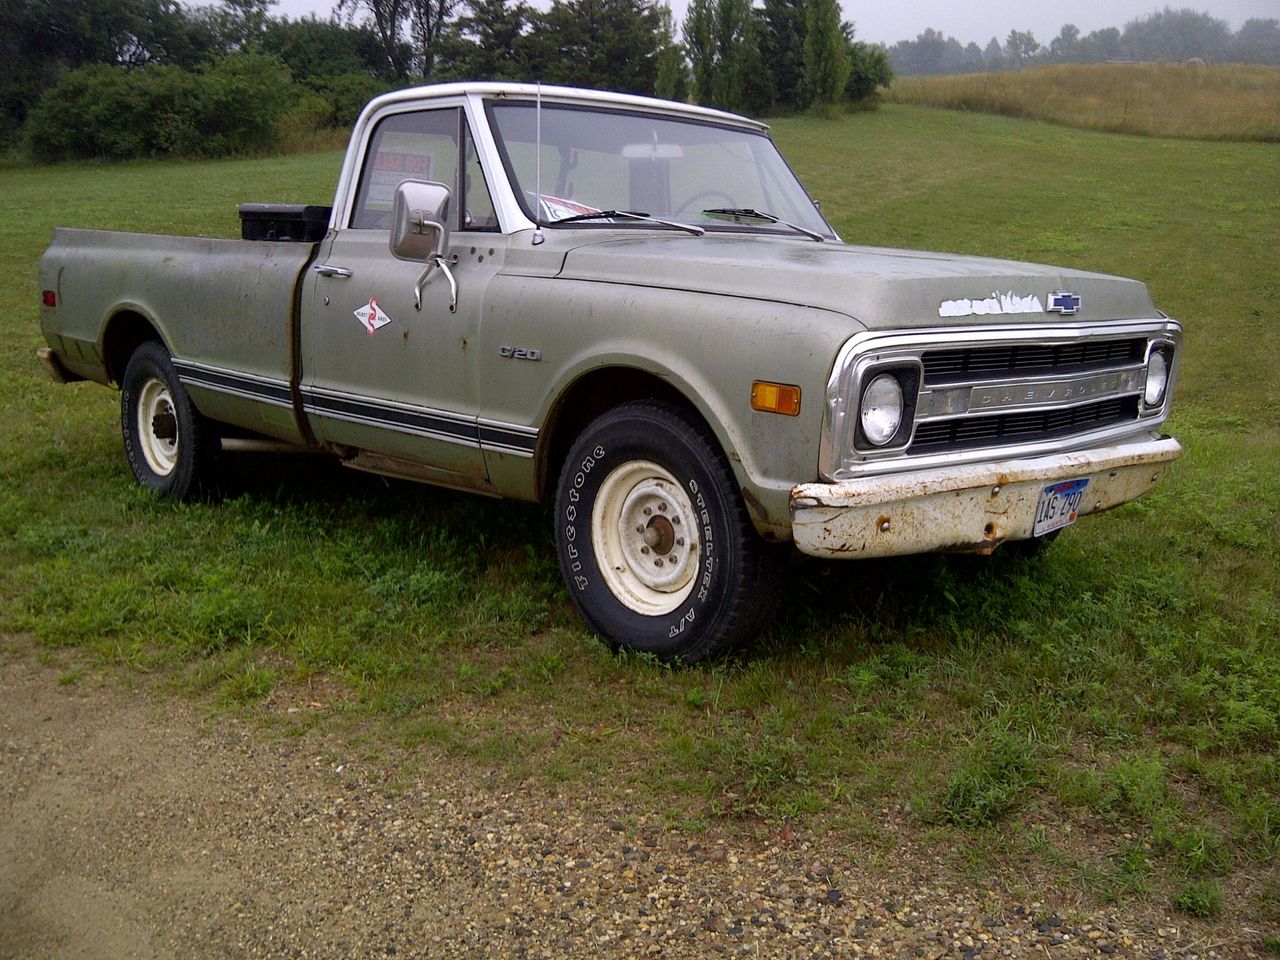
{"x":880,"y":287}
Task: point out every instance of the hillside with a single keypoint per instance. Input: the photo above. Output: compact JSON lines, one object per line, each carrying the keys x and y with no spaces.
{"x":1195,"y":101}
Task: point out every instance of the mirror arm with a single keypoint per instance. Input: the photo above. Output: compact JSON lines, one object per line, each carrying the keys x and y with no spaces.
{"x":443,"y":264}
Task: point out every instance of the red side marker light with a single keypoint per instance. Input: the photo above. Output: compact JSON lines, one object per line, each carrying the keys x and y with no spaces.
{"x":49,"y":298}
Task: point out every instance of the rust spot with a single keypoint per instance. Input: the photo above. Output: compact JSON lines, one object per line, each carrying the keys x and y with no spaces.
{"x":754,"y":505}
{"x":464,"y":343}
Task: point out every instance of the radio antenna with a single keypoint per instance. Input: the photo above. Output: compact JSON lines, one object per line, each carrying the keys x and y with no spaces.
{"x":537,"y":166}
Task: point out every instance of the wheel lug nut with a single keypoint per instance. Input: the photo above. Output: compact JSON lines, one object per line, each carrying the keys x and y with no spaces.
{"x":675,"y":520}
{"x":658,"y":562}
{"x":662,"y":507}
{"x":679,"y":541}
{"x":647,"y":511}
{"x":639,"y":528}
{"x":671,"y":559}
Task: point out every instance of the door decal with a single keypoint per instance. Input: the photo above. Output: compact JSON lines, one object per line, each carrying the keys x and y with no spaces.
{"x":372,"y":317}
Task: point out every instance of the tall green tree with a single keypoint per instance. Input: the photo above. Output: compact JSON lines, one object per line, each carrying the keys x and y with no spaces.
{"x":782,"y":34}
{"x":720,"y":37}
{"x":387,"y":19}
{"x":826,"y":65}
{"x":1177,"y":35}
{"x":431,"y":24}
{"x":492,"y":40}
{"x":1021,"y":46}
{"x":602,"y":44}
{"x":323,"y":48}
{"x":672,"y":81}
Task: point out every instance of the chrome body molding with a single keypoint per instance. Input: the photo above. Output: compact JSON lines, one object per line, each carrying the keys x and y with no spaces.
{"x":233,"y":382}
{"x":1080,"y":405}
{"x":971,"y":508}
{"x":369,"y":411}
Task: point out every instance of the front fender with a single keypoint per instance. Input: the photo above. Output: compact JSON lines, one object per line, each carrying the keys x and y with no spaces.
{"x":709,"y":348}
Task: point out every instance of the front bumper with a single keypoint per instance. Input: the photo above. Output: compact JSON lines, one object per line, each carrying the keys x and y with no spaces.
{"x":972,"y":508}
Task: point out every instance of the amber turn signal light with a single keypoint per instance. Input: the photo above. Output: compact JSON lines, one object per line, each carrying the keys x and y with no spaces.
{"x":781,"y":398}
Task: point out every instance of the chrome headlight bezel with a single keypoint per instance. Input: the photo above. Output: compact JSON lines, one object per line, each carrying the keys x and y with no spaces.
{"x":846,"y":437}
{"x":1164,"y":351}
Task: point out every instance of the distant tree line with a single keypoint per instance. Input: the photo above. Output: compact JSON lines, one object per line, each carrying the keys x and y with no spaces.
{"x":130,"y":78}
{"x":1167,"y":35}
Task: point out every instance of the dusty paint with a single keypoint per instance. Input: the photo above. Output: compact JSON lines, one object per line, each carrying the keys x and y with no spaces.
{"x":970,"y":508}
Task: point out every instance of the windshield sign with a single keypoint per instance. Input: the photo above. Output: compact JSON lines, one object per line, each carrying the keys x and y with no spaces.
{"x":596,"y":159}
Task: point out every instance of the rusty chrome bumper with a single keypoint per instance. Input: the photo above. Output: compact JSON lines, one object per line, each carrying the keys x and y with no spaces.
{"x":972,"y":508}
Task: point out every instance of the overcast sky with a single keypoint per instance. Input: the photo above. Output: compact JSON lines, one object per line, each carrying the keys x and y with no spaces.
{"x":890,"y":22}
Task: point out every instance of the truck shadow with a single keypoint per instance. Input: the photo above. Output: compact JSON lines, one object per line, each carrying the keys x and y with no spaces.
{"x":834,"y":608}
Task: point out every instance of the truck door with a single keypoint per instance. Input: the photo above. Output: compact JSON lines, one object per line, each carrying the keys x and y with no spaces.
{"x":378,"y":374}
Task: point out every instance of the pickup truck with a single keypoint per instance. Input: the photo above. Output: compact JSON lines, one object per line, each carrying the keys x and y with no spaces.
{"x":630,"y":309}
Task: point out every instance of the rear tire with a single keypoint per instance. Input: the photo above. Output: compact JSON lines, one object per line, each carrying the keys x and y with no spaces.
{"x":654,"y":541}
{"x":171,"y":447}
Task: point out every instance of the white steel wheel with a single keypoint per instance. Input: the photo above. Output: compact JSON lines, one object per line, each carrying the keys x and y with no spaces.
{"x":157,"y":427}
{"x":654,"y":542}
{"x":645,"y":535}
{"x":171,"y":448}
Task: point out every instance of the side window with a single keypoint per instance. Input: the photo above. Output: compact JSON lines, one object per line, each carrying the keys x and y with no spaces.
{"x":405,"y":146}
{"x":477,"y":202}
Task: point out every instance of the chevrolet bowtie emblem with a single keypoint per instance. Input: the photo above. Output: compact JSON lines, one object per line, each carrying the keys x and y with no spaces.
{"x":1060,"y":301}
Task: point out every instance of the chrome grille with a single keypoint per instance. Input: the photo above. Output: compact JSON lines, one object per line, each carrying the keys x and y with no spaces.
{"x":1028,"y":360}
{"x":998,"y":391}
{"x":990,"y":431}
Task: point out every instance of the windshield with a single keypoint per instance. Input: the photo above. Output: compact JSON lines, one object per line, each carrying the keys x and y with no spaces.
{"x":595,"y":159}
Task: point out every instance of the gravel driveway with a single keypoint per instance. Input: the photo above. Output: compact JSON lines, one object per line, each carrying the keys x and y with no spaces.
{"x":129,"y":828}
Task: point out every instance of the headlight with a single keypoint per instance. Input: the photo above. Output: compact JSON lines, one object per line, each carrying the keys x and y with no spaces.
{"x":880,"y":412}
{"x":1157,"y":377}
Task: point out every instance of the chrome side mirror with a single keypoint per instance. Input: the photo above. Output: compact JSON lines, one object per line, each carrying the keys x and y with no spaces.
{"x":419,"y":220}
{"x":420,"y":232}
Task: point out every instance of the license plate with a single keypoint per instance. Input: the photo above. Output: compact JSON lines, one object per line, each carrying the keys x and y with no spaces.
{"x":1059,"y":505}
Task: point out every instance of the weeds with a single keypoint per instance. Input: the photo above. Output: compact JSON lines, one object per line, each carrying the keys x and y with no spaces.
{"x":1200,"y":898}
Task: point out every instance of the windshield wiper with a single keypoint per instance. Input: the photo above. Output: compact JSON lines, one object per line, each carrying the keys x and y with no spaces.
{"x":747,"y":215}
{"x":630,"y":215}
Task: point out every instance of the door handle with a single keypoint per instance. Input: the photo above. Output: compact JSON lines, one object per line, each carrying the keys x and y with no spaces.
{"x":329,"y":270}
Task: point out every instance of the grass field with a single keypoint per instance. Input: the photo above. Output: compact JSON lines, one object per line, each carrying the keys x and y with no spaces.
{"x":1219,"y":102}
{"x":1102,"y":721}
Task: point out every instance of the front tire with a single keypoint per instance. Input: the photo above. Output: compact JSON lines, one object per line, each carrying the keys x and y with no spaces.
{"x":171,"y":448}
{"x":654,"y":542}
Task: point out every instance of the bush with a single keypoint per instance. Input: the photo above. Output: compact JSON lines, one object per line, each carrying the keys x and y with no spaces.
{"x":346,"y":94}
{"x":231,"y":108}
{"x":870,"y":70}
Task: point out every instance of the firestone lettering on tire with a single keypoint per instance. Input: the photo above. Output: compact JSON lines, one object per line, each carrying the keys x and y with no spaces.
{"x":571,"y":516}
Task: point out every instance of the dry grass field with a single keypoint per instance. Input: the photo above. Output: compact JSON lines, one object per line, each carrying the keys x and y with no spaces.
{"x":1199,"y":102}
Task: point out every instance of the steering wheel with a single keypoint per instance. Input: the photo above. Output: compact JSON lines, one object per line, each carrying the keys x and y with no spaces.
{"x":700,"y":199}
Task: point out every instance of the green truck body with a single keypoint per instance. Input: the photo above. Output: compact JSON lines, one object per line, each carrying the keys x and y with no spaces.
{"x":690,"y":381}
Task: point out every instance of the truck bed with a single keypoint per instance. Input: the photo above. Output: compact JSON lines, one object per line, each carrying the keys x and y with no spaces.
{"x":229,"y":303}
